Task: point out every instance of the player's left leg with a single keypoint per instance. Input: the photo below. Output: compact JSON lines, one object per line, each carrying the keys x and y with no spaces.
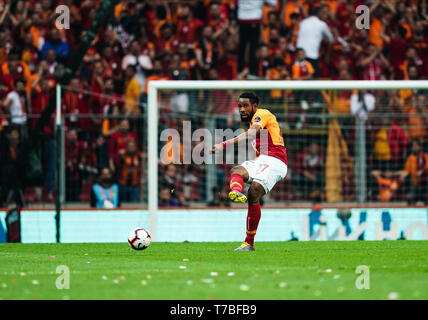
{"x":255,"y":192}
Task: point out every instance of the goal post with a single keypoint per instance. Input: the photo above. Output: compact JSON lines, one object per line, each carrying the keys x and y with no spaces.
{"x":156,"y":87}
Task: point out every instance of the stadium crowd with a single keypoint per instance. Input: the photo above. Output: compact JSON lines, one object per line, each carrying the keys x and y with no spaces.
{"x":207,"y":40}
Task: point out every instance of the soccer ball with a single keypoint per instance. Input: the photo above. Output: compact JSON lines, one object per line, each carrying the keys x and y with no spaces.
{"x":139,"y":239}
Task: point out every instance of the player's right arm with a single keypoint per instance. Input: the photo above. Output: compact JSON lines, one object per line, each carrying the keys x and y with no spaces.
{"x":250,"y":134}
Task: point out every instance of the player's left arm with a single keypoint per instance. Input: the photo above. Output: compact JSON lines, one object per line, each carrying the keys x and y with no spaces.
{"x":250,"y":134}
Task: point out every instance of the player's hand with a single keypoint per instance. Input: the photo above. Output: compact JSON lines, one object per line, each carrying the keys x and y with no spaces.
{"x":216,"y":148}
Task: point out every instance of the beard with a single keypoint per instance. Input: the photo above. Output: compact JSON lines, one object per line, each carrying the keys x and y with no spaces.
{"x":247,"y":118}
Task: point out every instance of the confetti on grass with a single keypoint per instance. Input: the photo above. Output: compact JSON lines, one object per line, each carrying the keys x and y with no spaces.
{"x":244,"y":287}
{"x":393,"y":296}
{"x":208,"y":280}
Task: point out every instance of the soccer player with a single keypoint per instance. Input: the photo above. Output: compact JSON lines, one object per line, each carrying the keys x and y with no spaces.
{"x":265,"y":171}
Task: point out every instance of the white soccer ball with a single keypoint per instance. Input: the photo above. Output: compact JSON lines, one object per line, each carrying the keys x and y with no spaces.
{"x":139,"y":239}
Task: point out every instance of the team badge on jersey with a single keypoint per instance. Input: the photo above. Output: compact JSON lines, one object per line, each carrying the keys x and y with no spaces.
{"x":257,"y":119}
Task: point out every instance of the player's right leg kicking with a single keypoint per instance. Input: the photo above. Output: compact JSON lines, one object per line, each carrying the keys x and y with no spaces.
{"x":237,"y":181}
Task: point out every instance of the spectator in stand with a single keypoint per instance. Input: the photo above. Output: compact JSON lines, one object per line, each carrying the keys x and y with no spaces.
{"x":43,"y":72}
{"x":309,"y":172}
{"x":76,"y":106}
{"x":118,"y":142}
{"x":207,"y":49}
{"x":372,"y":63}
{"x":109,"y":97}
{"x":111,"y":123}
{"x":39,"y":101}
{"x":141,"y":62}
{"x":14,"y":69}
{"x":263,"y":61}
{"x":250,"y":17}
{"x":105,"y":193}
{"x":12,"y":169}
{"x":417,"y":118}
{"x":129,"y":172}
{"x":362,"y":103}
{"x":172,"y":182}
{"x":112,"y":64}
{"x":55,"y":68}
{"x":219,"y":198}
{"x":157,"y":74}
{"x":55,"y":42}
{"x":165,"y":199}
{"x":188,"y":27}
{"x":302,"y":69}
{"x":217,"y":16}
{"x":272,"y":24}
{"x":411,"y":59}
{"x":277,"y":72}
{"x":19,"y":13}
{"x":97,"y":85}
{"x":228,"y":61}
{"x":100,"y":148}
{"x":28,"y":52}
{"x":379,"y":21}
{"x":312,"y":31}
{"x":79,"y":165}
{"x":384,"y":184}
{"x":132,"y":91}
{"x":188,"y":60}
{"x":396,"y":44}
{"x":16,"y":106}
{"x":290,"y":8}
{"x":167,"y":42}
{"x":176,"y":70}
{"x":415,"y":174}
{"x":390,"y":143}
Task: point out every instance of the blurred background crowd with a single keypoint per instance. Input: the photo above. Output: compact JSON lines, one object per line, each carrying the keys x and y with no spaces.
{"x":105,"y":102}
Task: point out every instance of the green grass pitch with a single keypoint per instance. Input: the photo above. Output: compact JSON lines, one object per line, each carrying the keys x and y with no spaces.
{"x":277,"y":270}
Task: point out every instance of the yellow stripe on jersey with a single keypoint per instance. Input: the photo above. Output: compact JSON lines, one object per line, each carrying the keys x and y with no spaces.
{"x":265,"y":119}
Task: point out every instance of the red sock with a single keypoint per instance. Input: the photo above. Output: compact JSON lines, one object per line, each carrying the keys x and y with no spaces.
{"x":253,"y":218}
{"x":236,"y":182}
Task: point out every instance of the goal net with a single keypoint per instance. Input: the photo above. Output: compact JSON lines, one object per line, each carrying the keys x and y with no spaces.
{"x":347,"y":141}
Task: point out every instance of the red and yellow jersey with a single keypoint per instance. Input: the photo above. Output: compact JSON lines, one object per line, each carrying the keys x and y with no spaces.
{"x":276,"y":147}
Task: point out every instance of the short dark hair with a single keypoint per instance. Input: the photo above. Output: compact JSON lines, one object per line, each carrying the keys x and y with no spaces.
{"x":313,"y":11}
{"x":417,"y":141}
{"x":215,"y":2}
{"x":251,"y":96}
{"x":16,"y":81}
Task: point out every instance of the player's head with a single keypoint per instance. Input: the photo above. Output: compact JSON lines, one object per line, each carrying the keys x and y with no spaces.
{"x":248,"y":103}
